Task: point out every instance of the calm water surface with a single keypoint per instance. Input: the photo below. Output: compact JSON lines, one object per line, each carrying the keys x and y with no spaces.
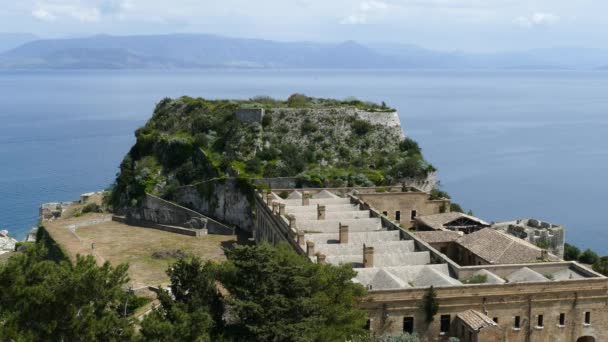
{"x":508,"y":144}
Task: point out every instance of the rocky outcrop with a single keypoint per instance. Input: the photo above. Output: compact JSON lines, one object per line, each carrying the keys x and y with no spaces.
{"x":7,"y":243}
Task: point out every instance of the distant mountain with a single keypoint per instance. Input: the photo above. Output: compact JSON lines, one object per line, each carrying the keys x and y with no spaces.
{"x":210,"y":51}
{"x":10,"y":41}
{"x":189,"y":51}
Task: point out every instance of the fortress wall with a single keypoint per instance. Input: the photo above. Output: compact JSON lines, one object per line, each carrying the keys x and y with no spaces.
{"x":160,"y":212}
{"x":224,"y":200}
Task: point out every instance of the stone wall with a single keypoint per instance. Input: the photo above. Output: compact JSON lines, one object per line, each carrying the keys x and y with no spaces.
{"x":158,"y":211}
{"x":405,"y":203}
{"x":573,"y":298}
{"x":277,"y":183}
{"x":250,"y":115}
{"x":224,"y":200}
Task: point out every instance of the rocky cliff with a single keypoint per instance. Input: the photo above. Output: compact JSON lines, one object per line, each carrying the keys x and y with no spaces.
{"x":316,"y":142}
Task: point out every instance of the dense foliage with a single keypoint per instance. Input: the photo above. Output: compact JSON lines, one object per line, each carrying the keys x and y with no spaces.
{"x":46,"y":300}
{"x":599,"y":264}
{"x":319,"y":141}
{"x":273,"y":294}
{"x":571,"y":252}
{"x":431,"y":306}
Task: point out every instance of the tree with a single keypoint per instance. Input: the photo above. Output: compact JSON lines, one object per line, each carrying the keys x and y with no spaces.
{"x":278,"y":295}
{"x":571,"y":252}
{"x":431,"y":306}
{"x":44,"y":300}
{"x":601,"y":265}
{"x":274,"y":294}
{"x":588,"y":257}
{"x":195,"y":311}
{"x":298,"y":100}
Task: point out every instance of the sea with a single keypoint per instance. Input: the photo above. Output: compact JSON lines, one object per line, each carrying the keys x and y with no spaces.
{"x":508,"y":144}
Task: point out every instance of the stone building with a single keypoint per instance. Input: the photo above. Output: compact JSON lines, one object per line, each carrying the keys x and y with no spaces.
{"x":405,"y":207}
{"x":543,"y":234}
{"x":545,"y":299}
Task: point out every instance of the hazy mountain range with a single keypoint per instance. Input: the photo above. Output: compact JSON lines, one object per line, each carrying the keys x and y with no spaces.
{"x":210,"y":51}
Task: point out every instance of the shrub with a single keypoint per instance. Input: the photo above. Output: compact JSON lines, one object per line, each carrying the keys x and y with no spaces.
{"x":298,"y":100}
{"x":410,"y":146}
{"x":455,"y":207}
{"x":437,"y":194}
{"x":477,"y":279}
{"x":91,"y":208}
{"x":601,"y":265}
{"x":588,"y":257}
{"x":361,"y":127}
{"x":571,"y":252}
{"x":308,"y":127}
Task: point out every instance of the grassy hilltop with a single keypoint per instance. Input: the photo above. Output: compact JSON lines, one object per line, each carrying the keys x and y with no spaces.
{"x":322,"y":142}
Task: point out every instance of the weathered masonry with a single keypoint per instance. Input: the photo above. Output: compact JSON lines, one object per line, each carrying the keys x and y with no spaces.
{"x":547,"y":299}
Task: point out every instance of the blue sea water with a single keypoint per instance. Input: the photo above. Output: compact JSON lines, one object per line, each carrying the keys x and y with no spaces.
{"x":508,"y":144}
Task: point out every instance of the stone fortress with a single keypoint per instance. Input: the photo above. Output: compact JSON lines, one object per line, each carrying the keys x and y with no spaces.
{"x":493,"y":281}
{"x":490,"y":285}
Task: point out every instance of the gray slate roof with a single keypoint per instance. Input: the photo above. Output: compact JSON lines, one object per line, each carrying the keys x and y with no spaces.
{"x":499,"y":248}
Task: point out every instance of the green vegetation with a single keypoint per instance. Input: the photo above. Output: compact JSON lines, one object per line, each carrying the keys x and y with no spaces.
{"x":571,"y":252}
{"x":303,"y":101}
{"x":188,"y":141}
{"x":477,"y":279}
{"x":46,"y":300}
{"x":599,"y":264}
{"x":431,"y":306}
{"x":274,"y":295}
{"x":588,"y":257}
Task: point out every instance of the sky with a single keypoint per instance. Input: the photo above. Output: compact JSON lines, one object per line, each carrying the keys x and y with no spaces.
{"x":463,"y":25}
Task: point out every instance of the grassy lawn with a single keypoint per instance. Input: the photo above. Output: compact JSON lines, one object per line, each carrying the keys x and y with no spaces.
{"x":120,"y":243}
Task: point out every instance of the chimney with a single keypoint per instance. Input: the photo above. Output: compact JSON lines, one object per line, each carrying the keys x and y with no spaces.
{"x":269,"y":198}
{"x":300,"y":237}
{"x":320,"y":212}
{"x":343,"y":233}
{"x":282,"y":209}
{"x":275,"y":206}
{"x":292,"y":222}
{"x":544,"y":254}
{"x":321,"y":258}
{"x":305,"y":198}
{"x":310,"y":248}
{"x":368,"y":256}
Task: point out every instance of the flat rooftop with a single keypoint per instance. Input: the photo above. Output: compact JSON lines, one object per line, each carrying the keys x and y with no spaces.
{"x":119,"y":243}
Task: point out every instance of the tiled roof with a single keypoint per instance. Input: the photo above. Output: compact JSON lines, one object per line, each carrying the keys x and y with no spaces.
{"x":438,"y":236}
{"x":438,"y":221}
{"x":476,"y":320}
{"x":499,"y":248}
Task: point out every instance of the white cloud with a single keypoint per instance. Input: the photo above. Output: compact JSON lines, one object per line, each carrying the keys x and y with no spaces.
{"x":43,"y":14}
{"x":366,"y":8}
{"x":79,"y":10}
{"x":354,"y":19}
{"x":537,"y":19}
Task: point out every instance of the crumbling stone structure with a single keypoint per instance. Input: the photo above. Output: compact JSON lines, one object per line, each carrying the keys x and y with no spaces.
{"x":542,"y":234}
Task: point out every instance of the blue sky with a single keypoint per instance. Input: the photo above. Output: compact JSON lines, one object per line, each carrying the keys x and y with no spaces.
{"x":471,"y":25}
